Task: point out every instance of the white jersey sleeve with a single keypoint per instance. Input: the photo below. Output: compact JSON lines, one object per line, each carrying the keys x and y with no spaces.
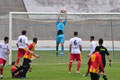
{"x":3,"y":51}
{"x":75,"y":42}
{"x":22,"y":41}
{"x":92,"y":47}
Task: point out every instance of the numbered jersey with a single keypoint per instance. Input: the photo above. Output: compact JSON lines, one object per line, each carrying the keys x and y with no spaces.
{"x":3,"y":50}
{"x":75,"y":42}
{"x":94,"y":62}
{"x":22,"y":40}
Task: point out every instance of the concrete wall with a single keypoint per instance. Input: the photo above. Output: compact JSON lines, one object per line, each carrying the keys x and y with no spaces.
{"x":73,"y":5}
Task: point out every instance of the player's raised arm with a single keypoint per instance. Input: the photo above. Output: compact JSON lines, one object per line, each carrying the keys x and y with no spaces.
{"x":59,"y":15}
{"x":64,"y":22}
{"x":66,"y":15}
{"x":58,"y":18}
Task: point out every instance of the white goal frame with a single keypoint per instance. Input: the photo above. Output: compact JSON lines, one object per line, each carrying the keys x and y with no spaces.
{"x":45,"y":13}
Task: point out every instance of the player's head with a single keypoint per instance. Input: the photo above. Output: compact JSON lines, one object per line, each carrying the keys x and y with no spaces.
{"x":97,"y":48}
{"x":23,"y":32}
{"x":35,"y":40}
{"x":13,"y":63}
{"x":75,"y":33}
{"x":60,"y":20}
{"x":92,"y":38}
{"x":6,"y":39}
{"x":100,"y":41}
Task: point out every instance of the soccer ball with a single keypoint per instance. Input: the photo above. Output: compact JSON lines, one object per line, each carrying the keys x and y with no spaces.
{"x":63,"y":10}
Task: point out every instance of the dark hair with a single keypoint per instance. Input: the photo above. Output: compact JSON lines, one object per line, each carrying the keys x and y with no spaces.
{"x":34,"y":39}
{"x":100,"y":41}
{"x":23,"y":32}
{"x":92,"y":37}
{"x":13,"y":63}
{"x":75,"y":33}
{"x":6,"y":38}
{"x":97,"y":48}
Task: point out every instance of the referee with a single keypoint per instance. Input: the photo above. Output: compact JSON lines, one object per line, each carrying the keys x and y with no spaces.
{"x":103,"y":52}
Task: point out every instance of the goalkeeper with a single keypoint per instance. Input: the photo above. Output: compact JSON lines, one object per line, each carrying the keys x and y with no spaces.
{"x":60,"y":32}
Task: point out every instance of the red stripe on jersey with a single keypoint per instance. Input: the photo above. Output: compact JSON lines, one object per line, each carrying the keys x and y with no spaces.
{"x":31,"y":47}
{"x":94,"y":62}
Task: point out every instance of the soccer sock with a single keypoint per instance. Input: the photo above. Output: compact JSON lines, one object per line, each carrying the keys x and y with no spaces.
{"x":57,"y":48}
{"x":104,"y":77}
{"x":1,"y":71}
{"x":62,"y":49}
{"x":70,"y":65}
{"x":78,"y":66}
{"x":17,"y":61}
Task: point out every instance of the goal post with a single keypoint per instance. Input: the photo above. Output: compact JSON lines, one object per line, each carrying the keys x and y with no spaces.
{"x":79,"y":17}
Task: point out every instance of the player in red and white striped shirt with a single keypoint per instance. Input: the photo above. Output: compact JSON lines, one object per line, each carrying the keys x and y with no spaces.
{"x":75,"y":51}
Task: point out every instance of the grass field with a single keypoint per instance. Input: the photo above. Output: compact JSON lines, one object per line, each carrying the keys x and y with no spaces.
{"x":50,"y":67}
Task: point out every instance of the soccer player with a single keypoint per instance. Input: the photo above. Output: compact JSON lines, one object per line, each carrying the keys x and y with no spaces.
{"x":92,"y":49}
{"x":17,"y":71}
{"x":4,"y":50}
{"x":103,"y":52}
{"x":94,"y":61}
{"x":28,"y":56}
{"x":22,"y":44}
{"x":75,"y":51}
{"x":92,"y":46}
{"x":60,"y":33}
{"x":13,"y":69}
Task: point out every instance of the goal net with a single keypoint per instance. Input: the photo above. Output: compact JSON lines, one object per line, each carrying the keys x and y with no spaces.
{"x":43,"y":26}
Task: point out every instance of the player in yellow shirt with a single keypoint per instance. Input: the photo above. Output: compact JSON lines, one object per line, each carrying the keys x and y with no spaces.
{"x":28,"y":57}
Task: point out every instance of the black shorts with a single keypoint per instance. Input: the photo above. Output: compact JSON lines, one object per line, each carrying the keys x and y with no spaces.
{"x":104,"y":64}
{"x":26,"y":61}
{"x":94,"y":76}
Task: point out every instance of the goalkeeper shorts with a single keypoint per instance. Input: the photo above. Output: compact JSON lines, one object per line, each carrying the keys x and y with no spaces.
{"x":60,"y":39}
